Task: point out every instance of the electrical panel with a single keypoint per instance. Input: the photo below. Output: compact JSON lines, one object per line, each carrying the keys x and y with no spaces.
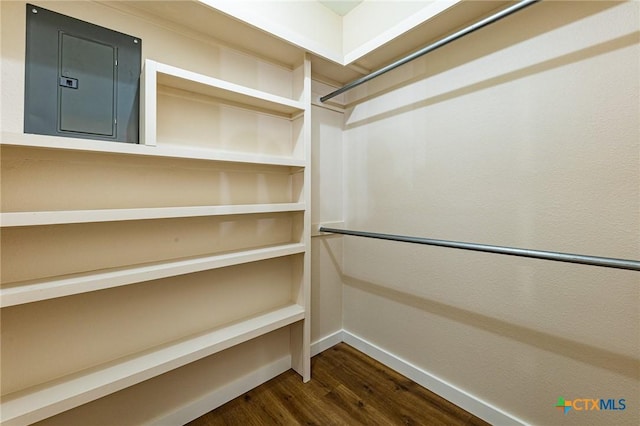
{"x":81,"y":80}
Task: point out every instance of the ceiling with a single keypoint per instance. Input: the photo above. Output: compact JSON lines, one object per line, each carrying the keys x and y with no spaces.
{"x":209,"y":22}
{"x":340,"y":7}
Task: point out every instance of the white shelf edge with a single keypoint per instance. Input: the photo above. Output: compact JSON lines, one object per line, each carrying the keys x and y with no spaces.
{"x":226,"y":90}
{"x":35,"y":218}
{"x":89,"y":145}
{"x":37,"y":290}
{"x":42,"y":401}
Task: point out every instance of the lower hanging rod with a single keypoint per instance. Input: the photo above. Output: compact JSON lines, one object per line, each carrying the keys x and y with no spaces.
{"x":607,"y":262}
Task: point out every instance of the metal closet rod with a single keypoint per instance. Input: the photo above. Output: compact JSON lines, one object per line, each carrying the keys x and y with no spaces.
{"x":430,"y":48}
{"x":606,"y":262}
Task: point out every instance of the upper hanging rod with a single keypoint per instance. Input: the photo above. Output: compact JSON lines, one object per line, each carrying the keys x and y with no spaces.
{"x":607,"y":262}
{"x":448,"y":39}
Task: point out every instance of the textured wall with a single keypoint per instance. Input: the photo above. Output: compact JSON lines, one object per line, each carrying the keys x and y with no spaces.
{"x":523,"y":134}
{"x":326,"y":206}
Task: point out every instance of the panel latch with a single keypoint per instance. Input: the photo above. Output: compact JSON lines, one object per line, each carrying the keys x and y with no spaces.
{"x":69,"y":82}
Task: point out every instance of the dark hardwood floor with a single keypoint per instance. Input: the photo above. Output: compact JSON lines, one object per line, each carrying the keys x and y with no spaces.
{"x":346,"y":388}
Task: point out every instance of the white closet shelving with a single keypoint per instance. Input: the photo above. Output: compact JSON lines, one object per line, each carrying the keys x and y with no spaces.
{"x":112,"y":215}
{"x":44,"y":400}
{"x":66,"y":285}
{"x":155,"y":73}
{"x":279,"y":220}
{"x":88,"y":145}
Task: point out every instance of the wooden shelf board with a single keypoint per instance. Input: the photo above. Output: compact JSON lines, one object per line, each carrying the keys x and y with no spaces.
{"x":193,"y":82}
{"x":42,"y":401}
{"x":90,"y":145}
{"x":35,"y":218}
{"x":18,"y":293}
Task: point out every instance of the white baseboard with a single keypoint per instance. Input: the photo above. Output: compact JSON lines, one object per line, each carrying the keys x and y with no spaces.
{"x":244,"y":384}
{"x":226,"y":393}
{"x":326,"y":342}
{"x":462,"y":399}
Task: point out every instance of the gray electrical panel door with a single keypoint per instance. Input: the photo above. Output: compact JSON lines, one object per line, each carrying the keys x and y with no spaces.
{"x":88,"y":107}
{"x":82,"y":80}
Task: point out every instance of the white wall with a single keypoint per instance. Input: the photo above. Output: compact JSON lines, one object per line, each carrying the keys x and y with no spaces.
{"x":327,"y":194}
{"x":523,"y":134}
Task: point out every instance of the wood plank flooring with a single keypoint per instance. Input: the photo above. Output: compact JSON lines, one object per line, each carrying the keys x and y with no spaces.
{"x":346,"y":388}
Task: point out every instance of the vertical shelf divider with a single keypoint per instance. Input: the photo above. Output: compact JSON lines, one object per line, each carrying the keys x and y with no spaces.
{"x":148,"y":103}
{"x":301,"y":332}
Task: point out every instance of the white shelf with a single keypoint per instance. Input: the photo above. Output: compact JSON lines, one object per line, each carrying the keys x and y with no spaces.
{"x":36,"y":290}
{"x":40,"y":402}
{"x":179,"y":78}
{"x":283,"y":120}
{"x":34,"y":218}
{"x":90,"y":145}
